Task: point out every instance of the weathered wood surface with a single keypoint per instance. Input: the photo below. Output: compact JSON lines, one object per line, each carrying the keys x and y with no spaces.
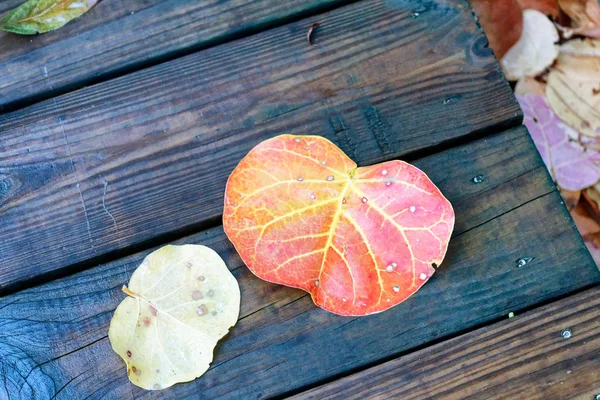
{"x":53,"y":337}
{"x":522,"y":358}
{"x":145,"y":156}
{"x":119,"y":36}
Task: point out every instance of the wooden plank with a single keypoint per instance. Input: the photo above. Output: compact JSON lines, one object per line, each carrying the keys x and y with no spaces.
{"x":148,"y":155}
{"x":522,"y":358}
{"x":53,"y":337}
{"x":117,"y":37}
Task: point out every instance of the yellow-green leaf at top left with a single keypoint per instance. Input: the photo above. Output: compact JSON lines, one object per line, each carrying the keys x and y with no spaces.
{"x":39,"y":16}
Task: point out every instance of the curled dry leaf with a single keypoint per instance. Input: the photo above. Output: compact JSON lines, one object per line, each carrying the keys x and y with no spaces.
{"x":39,"y":16}
{"x":502,"y":22}
{"x":572,"y":167}
{"x":585,"y":14}
{"x":581,"y":48}
{"x":359,"y":240}
{"x":535,"y":51}
{"x":592,"y":197}
{"x":588,"y":227}
{"x":574,"y":92}
{"x":183,"y":299}
{"x":571,"y":198}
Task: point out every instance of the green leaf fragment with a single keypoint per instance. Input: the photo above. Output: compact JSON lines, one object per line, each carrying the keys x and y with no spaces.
{"x":40,"y":16}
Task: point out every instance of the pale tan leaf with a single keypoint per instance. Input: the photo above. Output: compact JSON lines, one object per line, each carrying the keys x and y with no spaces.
{"x":573,"y":92}
{"x":535,"y":51}
{"x":581,"y":48}
{"x":530,"y":86}
{"x":183,"y":299}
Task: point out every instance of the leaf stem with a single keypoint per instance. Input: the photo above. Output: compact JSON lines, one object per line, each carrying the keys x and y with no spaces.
{"x":129,"y":292}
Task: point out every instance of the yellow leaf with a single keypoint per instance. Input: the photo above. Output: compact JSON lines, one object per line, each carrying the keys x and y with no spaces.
{"x":40,"y":16}
{"x":183,"y":299}
{"x":535,"y":51}
{"x":573,"y":92}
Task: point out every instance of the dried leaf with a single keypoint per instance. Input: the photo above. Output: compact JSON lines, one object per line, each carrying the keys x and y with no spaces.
{"x":530,"y":86}
{"x":359,"y":240}
{"x":571,"y":198}
{"x":585,"y":223}
{"x":567,"y":33}
{"x":39,"y":16}
{"x":571,"y":166}
{"x":535,"y":51}
{"x":574,"y":92}
{"x":183,"y":300}
{"x":589,"y":230}
{"x":592,"y":197}
{"x":547,"y":7}
{"x":502,"y":22}
{"x":581,"y":48}
{"x":585,"y":13}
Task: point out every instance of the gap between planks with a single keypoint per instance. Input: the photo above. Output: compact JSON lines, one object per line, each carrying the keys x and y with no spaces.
{"x":309,"y":391}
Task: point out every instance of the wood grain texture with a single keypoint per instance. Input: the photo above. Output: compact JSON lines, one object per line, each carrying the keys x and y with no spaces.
{"x":118,"y":36}
{"x":53,"y":337}
{"x":522,"y":358}
{"x":148,"y":154}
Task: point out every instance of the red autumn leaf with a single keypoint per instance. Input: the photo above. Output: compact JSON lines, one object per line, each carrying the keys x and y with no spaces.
{"x":359,"y":240}
{"x":502,"y":22}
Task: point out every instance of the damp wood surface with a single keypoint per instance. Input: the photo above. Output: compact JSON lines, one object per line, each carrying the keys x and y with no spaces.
{"x":117,"y":135}
{"x":141,"y":157}
{"x":120,"y":36}
{"x":551,"y":352}
{"x":282,"y":342}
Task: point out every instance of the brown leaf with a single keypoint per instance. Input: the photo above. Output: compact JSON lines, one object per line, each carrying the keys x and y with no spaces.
{"x":592,"y":198}
{"x":548,"y":7}
{"x":588,"y":228}
{"x":502,"y":22}
{"x":571,"y":198}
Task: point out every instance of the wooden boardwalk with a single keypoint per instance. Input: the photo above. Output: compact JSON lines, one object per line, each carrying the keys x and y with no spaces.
{"x":118,"y":132}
